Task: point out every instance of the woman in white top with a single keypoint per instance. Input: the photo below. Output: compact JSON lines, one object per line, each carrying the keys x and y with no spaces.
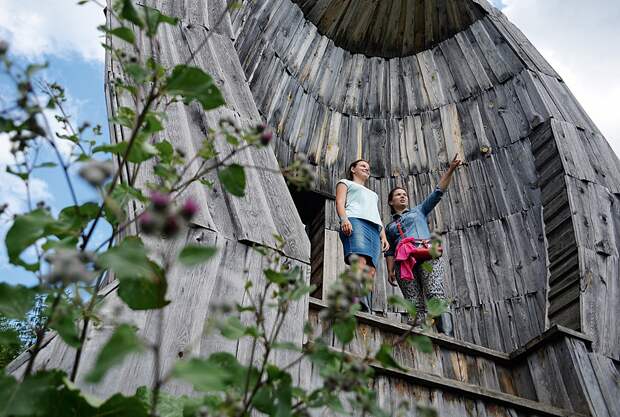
{"x":361,"y":228}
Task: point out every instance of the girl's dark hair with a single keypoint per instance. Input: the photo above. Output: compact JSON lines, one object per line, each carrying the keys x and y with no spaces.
{"x":353,"y":165}
{"x":391,"y":195}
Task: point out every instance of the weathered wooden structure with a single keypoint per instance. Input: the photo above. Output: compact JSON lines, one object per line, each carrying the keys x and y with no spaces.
{"x":531,"y":223}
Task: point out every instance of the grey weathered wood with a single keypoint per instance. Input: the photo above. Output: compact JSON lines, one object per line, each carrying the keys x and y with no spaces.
{"x":530,"y":227}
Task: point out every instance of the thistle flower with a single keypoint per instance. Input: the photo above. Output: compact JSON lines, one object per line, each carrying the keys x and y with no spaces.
{"x":171,"y":226}
{"x":189,"y":209}
{"x":69,"y":266}
{"x":265,"y":137}
{"x":160,"y":201}
{"x":147,"y":223}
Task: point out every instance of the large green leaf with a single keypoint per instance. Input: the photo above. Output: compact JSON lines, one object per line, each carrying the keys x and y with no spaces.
{"x":233,"y":179}
{"x":345,"y":329}
{"x":194,"y":255}
{"x":25,"y":231}
{"x":72,"y":220}
{"x":16,"y":300}
{"x":218,"y":372}
{"x":44,"y":394}
{"x":384,"y":356}
{"x":140,"y":150}
{"x":142,"y":283}
{"x":233,"y":329}
{"x":123,"y":342}
{"x":125,"y":10}
{"x":153,"y":19}
{"x":192,"y":83}
{"x":65,"y":322}
{"x":167,"y":405}
{"x":123,"y":33}
{"x":120,"y":406}
{"x":422,"y":343}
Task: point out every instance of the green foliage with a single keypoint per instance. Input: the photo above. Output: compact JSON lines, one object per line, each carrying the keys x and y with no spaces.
{"x":123,"y":342}
{"x":65,"y":321}
{"x":50,"y":394}
{"x":194,"y":255}
{"x":154,"y":18}
{"x":421,"y":343}
{"x":142,"y":283}
{"x":16,"y":300}
{"x":64,"y":269}
{"x":436,"y":307}
{"x":409,"y":307}
{"x":10,"y":345}
{"x":25,"y":231}
{"x":384,"y":356}
{"x":192,"y":83}
{"x":220,"y":371}
{"x":233,"y":179}
{"x":345,"y":329}
{"x":126,"y":11}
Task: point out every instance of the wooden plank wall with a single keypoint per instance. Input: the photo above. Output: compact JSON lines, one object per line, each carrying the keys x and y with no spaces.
{"x":486,"y":86}
{"x":579,"y":181}
{"x":556,"y":370}
{"x":231,"y":224}
{"x":390,"y":28}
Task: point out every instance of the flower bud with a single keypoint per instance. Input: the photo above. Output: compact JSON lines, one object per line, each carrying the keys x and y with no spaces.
{"x":189,"y":209}
{"x":260,"y":128}
{"x":171,"y":226}
{"x":160,"y":201}
{"x":147,"y":223}
{"x":266,"y":137}
{"x":96,"y":172}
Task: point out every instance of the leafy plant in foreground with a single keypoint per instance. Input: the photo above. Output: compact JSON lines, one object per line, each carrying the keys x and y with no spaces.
{"x":70,"y":265}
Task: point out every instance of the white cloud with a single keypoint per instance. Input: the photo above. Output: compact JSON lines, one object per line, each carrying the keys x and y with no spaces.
{"x":581,"y":40}
{"x":54,"y":27}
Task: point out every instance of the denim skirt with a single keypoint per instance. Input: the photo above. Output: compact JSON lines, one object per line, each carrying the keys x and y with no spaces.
{"x":364,"y":241}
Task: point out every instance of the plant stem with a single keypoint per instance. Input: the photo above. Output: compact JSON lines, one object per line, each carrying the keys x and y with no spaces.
{"x":157,"y":380}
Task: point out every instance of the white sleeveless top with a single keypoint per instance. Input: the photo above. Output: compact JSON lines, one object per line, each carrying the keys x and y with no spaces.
{"x":361,"y":202}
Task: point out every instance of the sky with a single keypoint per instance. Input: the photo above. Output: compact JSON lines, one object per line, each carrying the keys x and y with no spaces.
{"x":580,"y":39}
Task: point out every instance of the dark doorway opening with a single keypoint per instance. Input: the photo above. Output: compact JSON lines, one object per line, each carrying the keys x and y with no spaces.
{"x":311,"y":208}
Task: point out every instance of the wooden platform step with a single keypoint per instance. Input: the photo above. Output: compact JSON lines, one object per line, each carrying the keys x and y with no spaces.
{"x":533,"y":378}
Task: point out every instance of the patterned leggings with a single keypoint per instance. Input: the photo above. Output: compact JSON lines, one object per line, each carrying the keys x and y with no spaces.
{"x":424,"y":286}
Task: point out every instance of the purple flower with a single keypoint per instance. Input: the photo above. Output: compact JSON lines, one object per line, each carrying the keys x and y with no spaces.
{"x":160,"y":201}
{"x":147,"y":223}
{"x":189,"y":209}
{"x":266,"y":137}
{"x":171,"y":226}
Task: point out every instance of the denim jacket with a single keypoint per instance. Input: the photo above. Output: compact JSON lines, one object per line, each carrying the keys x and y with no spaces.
{"x":413,"y":221}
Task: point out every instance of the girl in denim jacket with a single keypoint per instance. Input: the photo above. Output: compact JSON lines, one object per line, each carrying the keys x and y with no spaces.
{"x":412,"y":223}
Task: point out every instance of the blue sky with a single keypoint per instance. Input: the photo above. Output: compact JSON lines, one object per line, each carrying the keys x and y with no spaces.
{"x":580,"y":39}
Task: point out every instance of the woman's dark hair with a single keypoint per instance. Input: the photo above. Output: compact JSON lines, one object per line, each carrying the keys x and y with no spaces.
{"x":391,"y":195}
{"x":353,"y":165}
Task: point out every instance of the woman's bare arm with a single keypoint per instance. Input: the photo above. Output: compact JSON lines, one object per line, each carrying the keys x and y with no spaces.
{"x":341,"y":198}
{"x":445,"y":180}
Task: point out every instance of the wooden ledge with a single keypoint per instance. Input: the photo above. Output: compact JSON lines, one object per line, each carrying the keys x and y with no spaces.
{"x":438,"y":339}
{"x":549,"y":336}
{"x":475,"y":391}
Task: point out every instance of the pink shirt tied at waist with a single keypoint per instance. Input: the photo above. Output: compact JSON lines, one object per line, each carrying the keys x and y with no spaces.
{"x":407,"y":250}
